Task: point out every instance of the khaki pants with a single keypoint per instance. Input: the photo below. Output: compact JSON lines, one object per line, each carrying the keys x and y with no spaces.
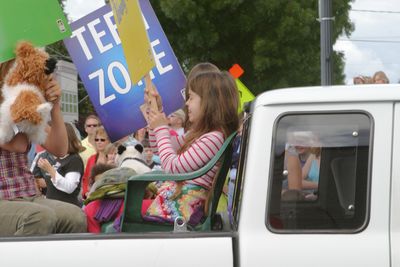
{"x":39,"y":216}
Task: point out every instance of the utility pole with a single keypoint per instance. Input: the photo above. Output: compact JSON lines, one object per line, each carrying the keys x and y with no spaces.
{"x":325,"y":20}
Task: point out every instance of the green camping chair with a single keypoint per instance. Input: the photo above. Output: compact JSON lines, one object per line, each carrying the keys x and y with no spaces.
{"x":132,"y":220}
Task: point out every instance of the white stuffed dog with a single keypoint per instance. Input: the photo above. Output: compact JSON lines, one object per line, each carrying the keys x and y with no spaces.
{"x":132,"y":157}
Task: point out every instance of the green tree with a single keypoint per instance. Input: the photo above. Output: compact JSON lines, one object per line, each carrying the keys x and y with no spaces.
{"x":59,"y":51}
{"x":277,"y":42}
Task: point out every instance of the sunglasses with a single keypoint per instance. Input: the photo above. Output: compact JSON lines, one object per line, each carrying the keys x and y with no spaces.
{"x":99,"y":139}
{"x":92,"y":125}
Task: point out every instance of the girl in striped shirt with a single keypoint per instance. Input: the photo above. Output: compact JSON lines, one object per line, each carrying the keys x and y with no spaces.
{"x":212,"y":105}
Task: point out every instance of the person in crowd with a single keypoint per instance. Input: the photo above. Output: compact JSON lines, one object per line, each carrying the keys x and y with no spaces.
{"x":63,"y":175}
{"x":128,"y":140}
{"x":380,"y":77}
{"x":22,"y":210}
{"x":358,"y":80}
{"x":41,"y":175}
{"x":362,"y":80}
{"x":148,"y":156}
{"x":99,"y":169}
{"x":101,"y":141}
{"x":141,"y":135}
{"x":135,"y":138}
{"x":111,"y":151}
{"x":92,"y":122}
{"x":175,"y":121}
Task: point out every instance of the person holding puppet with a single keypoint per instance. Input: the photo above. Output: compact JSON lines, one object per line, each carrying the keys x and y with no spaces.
{"x":22,"y":210}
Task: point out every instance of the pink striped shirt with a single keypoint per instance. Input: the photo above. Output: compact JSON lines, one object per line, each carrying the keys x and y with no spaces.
{"x":195,"y":157}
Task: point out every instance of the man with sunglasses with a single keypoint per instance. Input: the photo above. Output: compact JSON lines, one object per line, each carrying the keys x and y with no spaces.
{"x":91,"y":124}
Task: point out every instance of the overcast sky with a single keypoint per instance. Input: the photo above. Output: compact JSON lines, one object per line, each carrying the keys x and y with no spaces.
{"x":373,"y":46}
{"x":380,"y":32}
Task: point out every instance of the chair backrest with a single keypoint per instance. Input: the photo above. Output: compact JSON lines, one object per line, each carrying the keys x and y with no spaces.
{"x":220,"y":178}
{"x":136,"y":184}
{"x":162,"y":176}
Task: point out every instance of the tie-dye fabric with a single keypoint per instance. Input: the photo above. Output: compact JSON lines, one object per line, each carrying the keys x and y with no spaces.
{"x":189,"y":204}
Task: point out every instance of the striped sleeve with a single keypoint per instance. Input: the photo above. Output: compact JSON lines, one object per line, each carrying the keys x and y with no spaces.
{"x":176,"y":141}
{"x":153,"y":139}
{"x":195,"y":157}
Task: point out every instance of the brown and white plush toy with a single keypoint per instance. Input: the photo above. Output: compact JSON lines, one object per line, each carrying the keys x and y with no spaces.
{"x":24,"y":106}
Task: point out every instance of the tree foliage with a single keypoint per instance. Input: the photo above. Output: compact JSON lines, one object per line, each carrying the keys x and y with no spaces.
{"x":277,"y":42}
{"x":59,"y":51}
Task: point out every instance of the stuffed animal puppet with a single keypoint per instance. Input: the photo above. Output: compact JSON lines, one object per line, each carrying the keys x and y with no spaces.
{"x":132,"y":157}
{"x":23,"y":93}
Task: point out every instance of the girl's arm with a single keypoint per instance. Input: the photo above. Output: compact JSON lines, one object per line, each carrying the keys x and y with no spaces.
{"x":195,"y":157}
{"x":153,"y":141}
{"x":67,"y":183}
{"x":294,"y":170}
{"x":176,"y":141}
{"x":309,"y":185}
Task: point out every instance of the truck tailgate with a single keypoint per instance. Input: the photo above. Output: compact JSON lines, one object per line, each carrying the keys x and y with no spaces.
{"x":162,"y":249}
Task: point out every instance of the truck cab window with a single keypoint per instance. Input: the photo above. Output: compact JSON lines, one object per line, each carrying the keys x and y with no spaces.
{"x":320,"y":173}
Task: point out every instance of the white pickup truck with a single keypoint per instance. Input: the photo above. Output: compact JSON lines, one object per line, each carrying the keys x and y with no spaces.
{"x":352,"y":218}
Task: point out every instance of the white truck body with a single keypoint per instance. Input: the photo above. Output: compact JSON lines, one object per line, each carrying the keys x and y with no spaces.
{"x":252,"y":240}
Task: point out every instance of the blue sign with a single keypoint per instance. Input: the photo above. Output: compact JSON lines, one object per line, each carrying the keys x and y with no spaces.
{"x":96,"y":50}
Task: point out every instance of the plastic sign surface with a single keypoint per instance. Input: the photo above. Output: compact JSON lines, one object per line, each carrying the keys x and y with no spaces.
{"x":95,"y":47}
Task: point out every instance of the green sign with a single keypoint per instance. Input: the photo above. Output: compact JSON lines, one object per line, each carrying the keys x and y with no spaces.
{"x":41,"y":22}
{"x":245,"y":94}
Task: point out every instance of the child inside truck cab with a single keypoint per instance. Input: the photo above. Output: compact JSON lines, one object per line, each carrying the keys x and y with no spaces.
{"x":302,"y":162}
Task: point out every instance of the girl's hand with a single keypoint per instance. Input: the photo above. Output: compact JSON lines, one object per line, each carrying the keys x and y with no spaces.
{"x":156,"y":119}
{"x":41,"y":183}
{"x":53,"y":91}
{"x":45,"y":165}
{"x":151,"y":94}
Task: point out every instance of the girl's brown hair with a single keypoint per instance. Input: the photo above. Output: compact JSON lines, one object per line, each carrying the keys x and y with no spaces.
{"x":219,"y":105}
{"x":197,"y":69}
{"x":74,"y":144}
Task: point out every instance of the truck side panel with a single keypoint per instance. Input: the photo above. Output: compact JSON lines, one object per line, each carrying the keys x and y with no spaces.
{"x":147,"y":250}
{"x":366,"y":247}
{"x":395,"y":192}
